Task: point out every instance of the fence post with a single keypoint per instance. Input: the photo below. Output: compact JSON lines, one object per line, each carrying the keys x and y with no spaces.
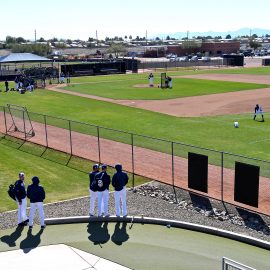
{"x":5,"y":119}
{"x":99,"y":159}
{"x":46,"y":133}
{"x":132,"y":152}
{"x":24,"y":126}
{"x":222,"y":179}
{"x":70,"y":137}
{"x":173,"y":172}
{"x":172,"y":163}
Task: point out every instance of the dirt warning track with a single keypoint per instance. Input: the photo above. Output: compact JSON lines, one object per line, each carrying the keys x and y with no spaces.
{"x":149,"y":163}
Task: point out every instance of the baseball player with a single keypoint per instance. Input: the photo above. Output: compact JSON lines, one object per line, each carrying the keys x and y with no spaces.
{"x":258,"y":110}
{"x":36,"y":194}
{"x":103,"y":182}
{"x":151,"y":79}
{"x":170,"y":82}
{"x":20,"y":196}
{"x":119,"y":181}
{"x":93,"y":189}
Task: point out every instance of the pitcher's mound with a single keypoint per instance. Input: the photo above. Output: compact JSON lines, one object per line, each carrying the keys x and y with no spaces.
{"x":145,"y":86}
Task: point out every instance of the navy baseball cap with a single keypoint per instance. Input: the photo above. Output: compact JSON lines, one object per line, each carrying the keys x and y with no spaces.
{"x":95,"y":166}
{"x":35,"y":180}
{"x":118,"y":167}
{"x":104,"y":166}
{"x":21,"y":174}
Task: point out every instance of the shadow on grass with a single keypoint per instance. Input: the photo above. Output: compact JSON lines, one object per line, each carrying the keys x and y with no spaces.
{"x":120,"y":233}
{"x":31,"y":241}
{"x":98,"y":233}
{"x":11,"y":239}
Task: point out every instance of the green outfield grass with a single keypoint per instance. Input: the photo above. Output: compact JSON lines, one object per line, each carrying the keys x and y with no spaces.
{"x":182,"y":87}
{"x":63,"y":178}
{"x":251,"y":71}
{"x":251,"y":139}
{"x":144,"y":76}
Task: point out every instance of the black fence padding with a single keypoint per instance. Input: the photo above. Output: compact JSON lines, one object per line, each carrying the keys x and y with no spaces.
{"x":198,"y":172}
{"x":266,"y":62}
{"x":102,"y":68}
{"x":233,"y":60}
{"x":246,"y":185}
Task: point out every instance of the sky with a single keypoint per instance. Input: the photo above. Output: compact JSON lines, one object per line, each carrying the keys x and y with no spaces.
{"x":82,"y":18}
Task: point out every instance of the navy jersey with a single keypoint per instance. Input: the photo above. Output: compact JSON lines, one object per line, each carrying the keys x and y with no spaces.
{"x":103,"y":181}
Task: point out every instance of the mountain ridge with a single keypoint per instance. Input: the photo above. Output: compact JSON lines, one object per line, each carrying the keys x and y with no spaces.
{"x":234,"y":33}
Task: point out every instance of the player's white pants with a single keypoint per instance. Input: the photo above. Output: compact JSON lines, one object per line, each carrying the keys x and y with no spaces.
{"x":103,"y":196}
{"x":33,"y":207}
{"x":170,"y":84}
{"x":22,"y":211}
{"x":93,"y":199}
{"x":120,"y":195}
{"x":151,"y":81}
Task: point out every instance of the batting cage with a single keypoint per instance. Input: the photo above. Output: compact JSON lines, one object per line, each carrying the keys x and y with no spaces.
{"x":163,"y":80}
{"x":18,"y":120}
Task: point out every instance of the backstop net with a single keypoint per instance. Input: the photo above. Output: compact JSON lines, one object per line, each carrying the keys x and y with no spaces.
{"x":228,"y":264}
{"x":163,"y":80}
{"x":19,"y":120}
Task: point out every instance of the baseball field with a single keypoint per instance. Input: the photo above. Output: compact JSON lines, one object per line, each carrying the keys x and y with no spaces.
{"x":200,"y":110}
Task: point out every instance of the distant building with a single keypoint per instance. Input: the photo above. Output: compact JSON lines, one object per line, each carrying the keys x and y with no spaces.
{"x":211,"y":48}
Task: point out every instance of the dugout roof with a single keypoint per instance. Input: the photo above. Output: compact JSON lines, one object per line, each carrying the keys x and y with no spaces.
{"x":23,"y":57}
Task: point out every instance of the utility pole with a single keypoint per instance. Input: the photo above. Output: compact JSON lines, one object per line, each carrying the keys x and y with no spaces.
{"x":187,"y":34}
{"x":97,"y":36}
{"x":146,"y":37}
{"x":35,"y":35}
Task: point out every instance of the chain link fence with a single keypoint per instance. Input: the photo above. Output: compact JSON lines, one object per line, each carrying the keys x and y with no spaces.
{"x":158,"y":159}
{"x":154,"y":64}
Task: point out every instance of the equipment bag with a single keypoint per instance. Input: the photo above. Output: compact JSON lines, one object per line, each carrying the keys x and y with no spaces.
{"x":11,"y":192}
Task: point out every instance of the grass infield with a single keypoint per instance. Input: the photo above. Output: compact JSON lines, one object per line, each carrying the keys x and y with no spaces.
{"x":217,"y":132}
{"x":138,"y":89}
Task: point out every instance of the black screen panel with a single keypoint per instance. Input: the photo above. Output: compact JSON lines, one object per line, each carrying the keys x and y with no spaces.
{"x":246,"y":185}
{"x":198,"y":172}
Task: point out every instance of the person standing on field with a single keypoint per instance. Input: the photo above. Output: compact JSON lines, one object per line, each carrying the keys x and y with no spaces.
{"x":6,"y":85}
{"x":93,"y":189}
{"x":103,"y":182}
{"x":20,"y":196}
{"x":258,"y":111}
{"x":151,"y":79}
{"x":119,"y":181}
{"x":36,"y":194}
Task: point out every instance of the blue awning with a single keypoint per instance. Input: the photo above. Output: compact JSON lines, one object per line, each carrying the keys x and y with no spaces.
{"x":23,"y":57}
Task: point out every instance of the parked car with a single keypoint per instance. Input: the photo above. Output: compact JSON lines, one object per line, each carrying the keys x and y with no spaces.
{"x":206,"y":59}
{"x":183,"y":59}
{"x":193,"y":59}
{"x":171,"y":55}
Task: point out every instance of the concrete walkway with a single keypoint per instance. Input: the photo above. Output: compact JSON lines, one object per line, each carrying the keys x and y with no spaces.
{"x":54,"y":257}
